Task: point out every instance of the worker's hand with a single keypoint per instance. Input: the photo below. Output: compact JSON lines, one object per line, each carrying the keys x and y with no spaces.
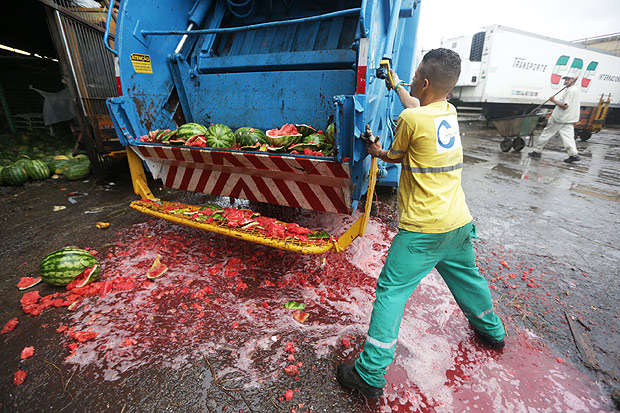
{"x":373,"y":146}
{"x":395,"y":79}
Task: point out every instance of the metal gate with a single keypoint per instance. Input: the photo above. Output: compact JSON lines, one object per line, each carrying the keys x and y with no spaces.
{"x":77,"y":33}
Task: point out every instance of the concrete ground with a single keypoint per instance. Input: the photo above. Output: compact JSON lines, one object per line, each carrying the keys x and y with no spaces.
{"x":212,"y":334}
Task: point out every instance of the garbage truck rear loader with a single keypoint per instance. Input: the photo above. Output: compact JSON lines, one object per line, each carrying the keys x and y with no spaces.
{"x":261,"y":64}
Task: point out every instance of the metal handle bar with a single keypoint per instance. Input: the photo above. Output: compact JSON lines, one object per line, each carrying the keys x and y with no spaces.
{"x":326,"y":16}
{"x":539,"y":106}
{"x":106,"y":35}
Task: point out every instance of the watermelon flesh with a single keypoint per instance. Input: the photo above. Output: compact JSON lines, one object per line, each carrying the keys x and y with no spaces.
{"x":285,"y":136}
{"x":157,"y":269}
{"x":27,"y":282}
{"x":83,"y":278}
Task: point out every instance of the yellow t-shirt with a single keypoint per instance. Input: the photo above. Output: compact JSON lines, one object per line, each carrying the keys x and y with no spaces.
{"x":430,"y":197}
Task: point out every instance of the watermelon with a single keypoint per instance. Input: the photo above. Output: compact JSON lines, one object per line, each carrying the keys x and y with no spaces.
{"x":77,"y":170}
{"x":28,"y":282}
{"x":249,"y":136}
{"x":59,"y":163}
{"x":22,"y":163}
{"x":62,"y":266}
{"x":299,"y":147}
{"x":305,"y":130}
{"x":190,"y":129}
{"x":220,"y":136}
{"x":14,"y":175}
{"x":157,"y":269}
{"x":315,"y":138}
{"x":330,"y":133}
{"x":84,"y":277}
{"x":285,"y":136}
{"x":277,"y":149}
{"x":37,"y":170}
{"x":1,"y":179}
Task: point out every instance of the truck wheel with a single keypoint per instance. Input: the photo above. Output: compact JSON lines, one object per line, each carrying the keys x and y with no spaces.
{"x":506,"y":145}
{"x":585,"y":135}
{"x":518,"y":144}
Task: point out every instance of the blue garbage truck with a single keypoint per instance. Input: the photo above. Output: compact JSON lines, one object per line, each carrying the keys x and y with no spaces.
{"x":262,"y":64}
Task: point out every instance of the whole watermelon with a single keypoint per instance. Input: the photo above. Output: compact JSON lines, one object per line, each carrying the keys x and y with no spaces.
{"x":1,"y":179}
{"x":37,"y":170}
{"x":190,"y":129}
{"x":23,"y":162}
{"x":77,"y":169}
{"x":59,"y":163}
{"x":62,"y":266}
{"x":220,"y":136}
{"x":14,"y":175}
{"x":249,"y":136}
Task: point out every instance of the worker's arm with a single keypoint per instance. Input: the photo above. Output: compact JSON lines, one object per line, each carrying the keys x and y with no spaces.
{"x":406,"y":99}
{"x":560,"y":104}
{"x":375,"y":150}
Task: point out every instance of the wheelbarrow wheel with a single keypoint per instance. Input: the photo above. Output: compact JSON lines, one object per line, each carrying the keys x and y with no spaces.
{"x":506,"y":145}
{"x":585,"y":135}
{"x":518,"y":144}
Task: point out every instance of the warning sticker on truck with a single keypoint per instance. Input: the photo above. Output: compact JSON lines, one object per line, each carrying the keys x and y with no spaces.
{"x":141,"y":63}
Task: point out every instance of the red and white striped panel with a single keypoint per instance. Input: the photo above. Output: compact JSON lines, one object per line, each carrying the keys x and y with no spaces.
{"x":315,"y":184}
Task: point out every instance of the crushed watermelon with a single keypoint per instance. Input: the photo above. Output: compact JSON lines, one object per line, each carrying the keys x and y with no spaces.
{"x":27,"y":352}
{"x":19,"y":377}
{"x":9,"y":326}
{"x":286,"y":130}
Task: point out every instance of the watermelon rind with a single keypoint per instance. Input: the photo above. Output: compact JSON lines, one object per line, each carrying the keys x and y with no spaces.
{"x":315,"y":138}
{"x":285,"y":140}
{"x":277,"y":149}
{"x":248,"y":136}
{"x":330,"y":133}
{"x":37,"y":170}
{"x":299,"y":147}
{"x":186,"y":131}
{"x":220,"y":136}
{"x":305,"y":130}
{"x":60,"y":267}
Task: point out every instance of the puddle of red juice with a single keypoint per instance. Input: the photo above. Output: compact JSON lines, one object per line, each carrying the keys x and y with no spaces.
{"x":224,"y":296}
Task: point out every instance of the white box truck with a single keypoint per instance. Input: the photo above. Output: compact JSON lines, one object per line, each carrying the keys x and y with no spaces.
{"x":508,"y":72}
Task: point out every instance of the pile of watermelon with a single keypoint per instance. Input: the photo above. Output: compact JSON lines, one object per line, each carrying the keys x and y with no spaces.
{"x":293,"y":139}
{"x":37,"y":156}
{"x":244,"y":219}
{"x":25,"y":169}
{"x":195,"y":135}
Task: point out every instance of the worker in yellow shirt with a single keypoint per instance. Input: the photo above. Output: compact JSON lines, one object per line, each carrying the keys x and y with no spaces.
{"x":435,"y":226}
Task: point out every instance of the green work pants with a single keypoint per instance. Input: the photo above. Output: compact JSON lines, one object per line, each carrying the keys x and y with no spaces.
{"x":410,"y":258}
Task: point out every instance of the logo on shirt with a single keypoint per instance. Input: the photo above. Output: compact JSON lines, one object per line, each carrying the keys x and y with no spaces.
{"x":448,"y":136}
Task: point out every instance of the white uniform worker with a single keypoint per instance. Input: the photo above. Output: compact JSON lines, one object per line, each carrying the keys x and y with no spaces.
{"x":565,"y":115}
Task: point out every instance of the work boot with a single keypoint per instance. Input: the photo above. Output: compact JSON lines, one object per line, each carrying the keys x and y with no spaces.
{"x":348,"y":376}
{"x":490,"y":342}
{"x":534,"y":154}
{"x":572,"y":158}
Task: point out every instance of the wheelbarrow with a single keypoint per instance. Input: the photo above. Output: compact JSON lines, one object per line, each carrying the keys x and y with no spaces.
{"x":513,"y":128}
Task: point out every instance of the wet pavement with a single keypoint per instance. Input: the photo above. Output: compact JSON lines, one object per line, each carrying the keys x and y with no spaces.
{"x":212,"y":334}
